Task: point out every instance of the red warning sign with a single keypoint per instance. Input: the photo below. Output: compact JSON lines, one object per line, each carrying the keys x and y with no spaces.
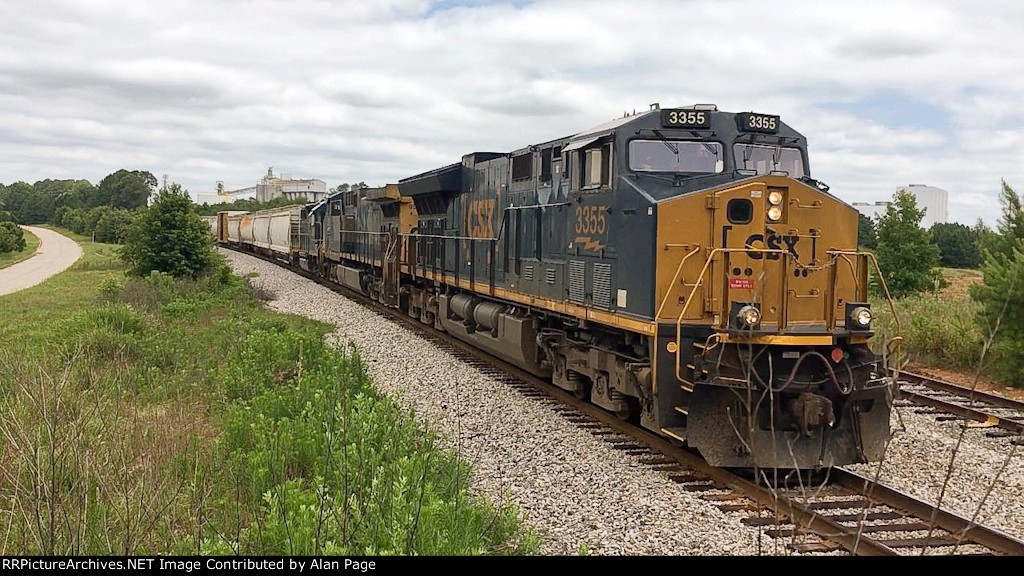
{"x":741,"y":283}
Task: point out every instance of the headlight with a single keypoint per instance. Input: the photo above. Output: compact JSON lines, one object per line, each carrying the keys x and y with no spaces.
{"x":861,"y":317}
{"x":775,"y":197}
{"x":749,"y":316}
{"x":775,"y":213}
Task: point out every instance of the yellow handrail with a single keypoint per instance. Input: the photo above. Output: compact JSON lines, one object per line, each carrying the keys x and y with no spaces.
{"x":668,"y":291}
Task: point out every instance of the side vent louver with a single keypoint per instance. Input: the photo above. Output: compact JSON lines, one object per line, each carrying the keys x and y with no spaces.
{"x":528,"y":273}
{"x":577,"y":281}
{"x":550,"y":276}
{"x":603,"y":286}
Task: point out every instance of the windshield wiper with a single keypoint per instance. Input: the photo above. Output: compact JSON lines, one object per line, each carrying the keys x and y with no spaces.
{"x":748,"y":151}
{"x":669,"y":145}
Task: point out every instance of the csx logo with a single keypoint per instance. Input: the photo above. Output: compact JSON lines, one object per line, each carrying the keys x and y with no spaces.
{"x":480,"y":218}
{"x":773,"y":242}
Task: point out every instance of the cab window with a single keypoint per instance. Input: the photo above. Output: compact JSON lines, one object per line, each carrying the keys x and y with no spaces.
{"x":596,"y":166}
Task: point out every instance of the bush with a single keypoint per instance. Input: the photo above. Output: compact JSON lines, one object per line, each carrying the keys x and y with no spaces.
{"x":12,"y":239}
{"x":937,"y":330}
{"x":170,"y":238}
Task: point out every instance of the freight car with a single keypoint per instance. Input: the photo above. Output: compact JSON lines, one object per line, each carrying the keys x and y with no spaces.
{"x":679,"y":267}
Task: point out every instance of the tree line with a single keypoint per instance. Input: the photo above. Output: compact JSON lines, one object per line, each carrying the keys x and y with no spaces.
{"x":959,"y":244}
{"x":252,"y":205}
{"x":104,"y":211}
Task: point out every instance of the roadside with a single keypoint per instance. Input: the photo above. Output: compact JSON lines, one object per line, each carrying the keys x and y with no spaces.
{"x":31,"y":246}
{"x":55,"y":254}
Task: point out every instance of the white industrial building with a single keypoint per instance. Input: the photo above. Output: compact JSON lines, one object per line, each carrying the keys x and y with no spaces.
{"x":270,"y":187}
{"x":871,"y":209}
{"x":934,"y":201}
{"x":308,"y":189}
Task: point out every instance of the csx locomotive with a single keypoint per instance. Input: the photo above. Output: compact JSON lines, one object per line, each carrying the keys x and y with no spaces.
{"x":679,"y":267}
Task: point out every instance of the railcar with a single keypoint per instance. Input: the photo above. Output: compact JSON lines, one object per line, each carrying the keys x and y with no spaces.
{"x":679,"y":267}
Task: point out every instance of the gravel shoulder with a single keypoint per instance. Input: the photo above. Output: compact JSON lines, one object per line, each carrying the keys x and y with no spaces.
{"x":578,"y":492}
{"x":55,"y":254}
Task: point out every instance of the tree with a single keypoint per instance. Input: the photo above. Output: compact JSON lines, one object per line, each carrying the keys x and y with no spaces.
{"x":246,"y":204}
{"x":113,"y":226}
{"x":27,"y":205}
{"x":169,"y":237}
{"x":866,"y":236}
{"x":124,"y":189}
{"x":906,"y":255}
{"x":1010,"y":227}
{"x":958,"y":244}
{"x":1001,"y":294}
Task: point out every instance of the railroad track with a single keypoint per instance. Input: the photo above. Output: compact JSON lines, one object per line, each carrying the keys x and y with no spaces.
{"x":1000,"y":416}
{"x":840,"y":512}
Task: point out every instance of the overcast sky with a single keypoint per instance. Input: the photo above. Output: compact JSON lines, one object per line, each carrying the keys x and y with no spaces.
{"x":888,"y":93}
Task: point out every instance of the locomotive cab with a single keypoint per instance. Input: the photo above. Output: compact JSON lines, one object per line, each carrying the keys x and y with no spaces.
{"x":768,"y":296}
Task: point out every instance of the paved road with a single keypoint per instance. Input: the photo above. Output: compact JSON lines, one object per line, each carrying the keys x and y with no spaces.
{"x":56,"y":253}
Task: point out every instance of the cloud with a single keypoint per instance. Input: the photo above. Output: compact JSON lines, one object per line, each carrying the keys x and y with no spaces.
{"x":888,"y":93}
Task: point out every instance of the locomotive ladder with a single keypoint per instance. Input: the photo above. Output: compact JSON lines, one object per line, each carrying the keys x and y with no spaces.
{"x":392,"y":272}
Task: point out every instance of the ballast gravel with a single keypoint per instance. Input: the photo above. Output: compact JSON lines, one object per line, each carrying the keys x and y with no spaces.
{"x":577,"y":492}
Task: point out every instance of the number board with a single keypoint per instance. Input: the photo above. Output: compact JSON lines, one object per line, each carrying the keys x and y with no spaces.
{"x":685,"y":119}
{"x":753,"y":122}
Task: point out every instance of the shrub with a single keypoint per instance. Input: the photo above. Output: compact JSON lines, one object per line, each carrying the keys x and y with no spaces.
{"x":12,"y":239}
{"x":169,"y":237}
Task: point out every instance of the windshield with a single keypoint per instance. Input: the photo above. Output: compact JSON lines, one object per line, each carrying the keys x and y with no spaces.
{"x":674,"y":156}
{"x":766,"y":159}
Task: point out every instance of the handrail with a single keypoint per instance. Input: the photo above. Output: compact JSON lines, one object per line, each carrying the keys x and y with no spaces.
{"x":699,"y":283}
{"x":881,"y":280}
{"x":679,"y":269}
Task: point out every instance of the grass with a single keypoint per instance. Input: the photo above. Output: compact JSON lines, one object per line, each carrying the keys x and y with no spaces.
{"x":28,"y":314}
{"x":12,"y":258}
{"x":939,"y":329}
{"x":161,"y":416}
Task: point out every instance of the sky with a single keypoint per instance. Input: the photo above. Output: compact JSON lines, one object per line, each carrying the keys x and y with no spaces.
{"x":887,"y":93}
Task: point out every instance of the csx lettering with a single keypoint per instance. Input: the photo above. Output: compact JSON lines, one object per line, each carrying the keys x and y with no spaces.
{"x":590,"y":220}
{"x":772,"y":242}
{"x":480,"y":218}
